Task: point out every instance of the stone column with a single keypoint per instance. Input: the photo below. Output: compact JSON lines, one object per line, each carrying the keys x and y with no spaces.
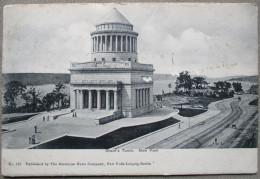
{"x":116,"y":43}
{"x":105,"y":43}
{"x":142,"y":97}
{"x":137,"y":98}
{"x":90,"y":99}
{"x":76,"y":99}
{"x":145,"y":97}
{"x":107,"y":100}
{"x":121,"y":43}
{"x":111,"y":38}
{"x":148,"y":96}
{"x":130,"y":40}
{"x":96,"y":43}
{"x":93,"y":45}
{"x":81,"y":99}
{"x":135,"y":45}
{"x":98,"y":99}
{"x":115,"y":101}
{"x":125,"y":43}
{"x":102,"y":45}
{"x":140,"y":102}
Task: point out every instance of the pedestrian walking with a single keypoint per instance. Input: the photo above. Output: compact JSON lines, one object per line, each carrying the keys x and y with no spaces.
{"x":35,"y":129}
{"x":43,"y":119}
{"x":216,"y":141}
{"x":179,"y":125}
{"x":33,"y":139}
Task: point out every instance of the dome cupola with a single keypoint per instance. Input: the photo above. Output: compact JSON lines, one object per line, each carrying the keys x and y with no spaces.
{"x":114,"y":39}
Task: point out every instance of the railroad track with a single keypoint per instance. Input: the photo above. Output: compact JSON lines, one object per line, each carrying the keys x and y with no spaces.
{"x":197,"y":140}
{"x":246,"y":130}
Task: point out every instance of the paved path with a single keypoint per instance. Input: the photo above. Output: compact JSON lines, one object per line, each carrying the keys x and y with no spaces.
{"x":66,"y":125}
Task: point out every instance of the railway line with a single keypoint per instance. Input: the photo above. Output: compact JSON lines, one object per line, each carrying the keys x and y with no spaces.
{"x":201,"y":136}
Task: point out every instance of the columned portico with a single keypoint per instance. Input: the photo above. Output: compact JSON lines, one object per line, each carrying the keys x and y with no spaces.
{"x":100,"y":99}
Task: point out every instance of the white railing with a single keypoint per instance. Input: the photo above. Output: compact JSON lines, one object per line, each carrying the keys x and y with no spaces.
{"x":123,"y":64}
{"x":87,"y":65}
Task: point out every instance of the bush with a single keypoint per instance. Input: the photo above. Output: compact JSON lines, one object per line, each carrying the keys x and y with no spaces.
{"x":254,"y":102}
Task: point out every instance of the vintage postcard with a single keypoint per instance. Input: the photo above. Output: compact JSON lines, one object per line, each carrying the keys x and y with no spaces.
{"x":129,"y":89}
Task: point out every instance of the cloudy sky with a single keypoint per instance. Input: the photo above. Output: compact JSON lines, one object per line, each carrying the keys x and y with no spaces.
{"x":209,"y":39}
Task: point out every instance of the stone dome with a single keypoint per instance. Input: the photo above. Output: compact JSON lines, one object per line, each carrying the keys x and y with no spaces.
{"x":114,"y":16}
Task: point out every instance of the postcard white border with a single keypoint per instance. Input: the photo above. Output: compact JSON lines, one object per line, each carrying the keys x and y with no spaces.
{"x":161,"y":162}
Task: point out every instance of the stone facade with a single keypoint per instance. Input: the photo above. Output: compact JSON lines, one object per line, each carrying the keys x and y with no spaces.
{"x":114,"y":80}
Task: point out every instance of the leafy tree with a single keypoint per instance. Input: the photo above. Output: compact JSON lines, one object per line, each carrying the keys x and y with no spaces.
{"x":253,"y":89}
{"x":32,"y":100}
{"x":184,"y":81}
{"x":48,"y":101}
{"x":59,"y":95}
{"x":237,"y":87}
{"x":198,"y":81}
{"x":222,"y":88}
{"x":12,"y":90}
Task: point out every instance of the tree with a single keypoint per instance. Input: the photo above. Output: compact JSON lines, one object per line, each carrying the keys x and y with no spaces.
{"x":48,"y":101}
{"x":184,"y":81}
{"x":237,"y":87}
{"x":59,"y":95}
{"x":198,"y":81}
{"x":12,"y":90}
{"x":253,"y":89}
{"x":32,"y":100}
{"x":222,"y":88}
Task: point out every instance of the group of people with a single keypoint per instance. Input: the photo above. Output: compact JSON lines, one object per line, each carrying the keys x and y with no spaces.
{"x":32,"y":140}
{"x":74,"y":114}
{"x":43,"y":118}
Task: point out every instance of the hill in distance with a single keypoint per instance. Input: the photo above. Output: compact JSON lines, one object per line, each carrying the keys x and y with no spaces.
{"x":252,"y":79}
{"x":54,"y":78}
{"x":37,"y":78}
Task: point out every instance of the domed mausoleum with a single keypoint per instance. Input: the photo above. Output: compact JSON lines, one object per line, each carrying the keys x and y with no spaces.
{"x":114,"y":80}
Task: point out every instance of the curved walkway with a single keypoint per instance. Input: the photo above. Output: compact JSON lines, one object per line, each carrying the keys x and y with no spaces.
{"x":80,"y":127}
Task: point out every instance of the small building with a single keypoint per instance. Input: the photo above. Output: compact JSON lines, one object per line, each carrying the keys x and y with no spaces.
{"x":114,"y":80}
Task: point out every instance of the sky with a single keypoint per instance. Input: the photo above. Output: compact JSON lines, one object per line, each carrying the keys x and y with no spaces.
{"x":206,"y":39}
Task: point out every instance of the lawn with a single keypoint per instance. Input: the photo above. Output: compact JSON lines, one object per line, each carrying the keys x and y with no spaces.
{"x":187,"y":112}
{"x":188,"y":101}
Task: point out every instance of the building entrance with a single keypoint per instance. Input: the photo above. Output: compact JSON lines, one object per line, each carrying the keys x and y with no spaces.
{"x":103,"y":99}
{"x":94,"y":99}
